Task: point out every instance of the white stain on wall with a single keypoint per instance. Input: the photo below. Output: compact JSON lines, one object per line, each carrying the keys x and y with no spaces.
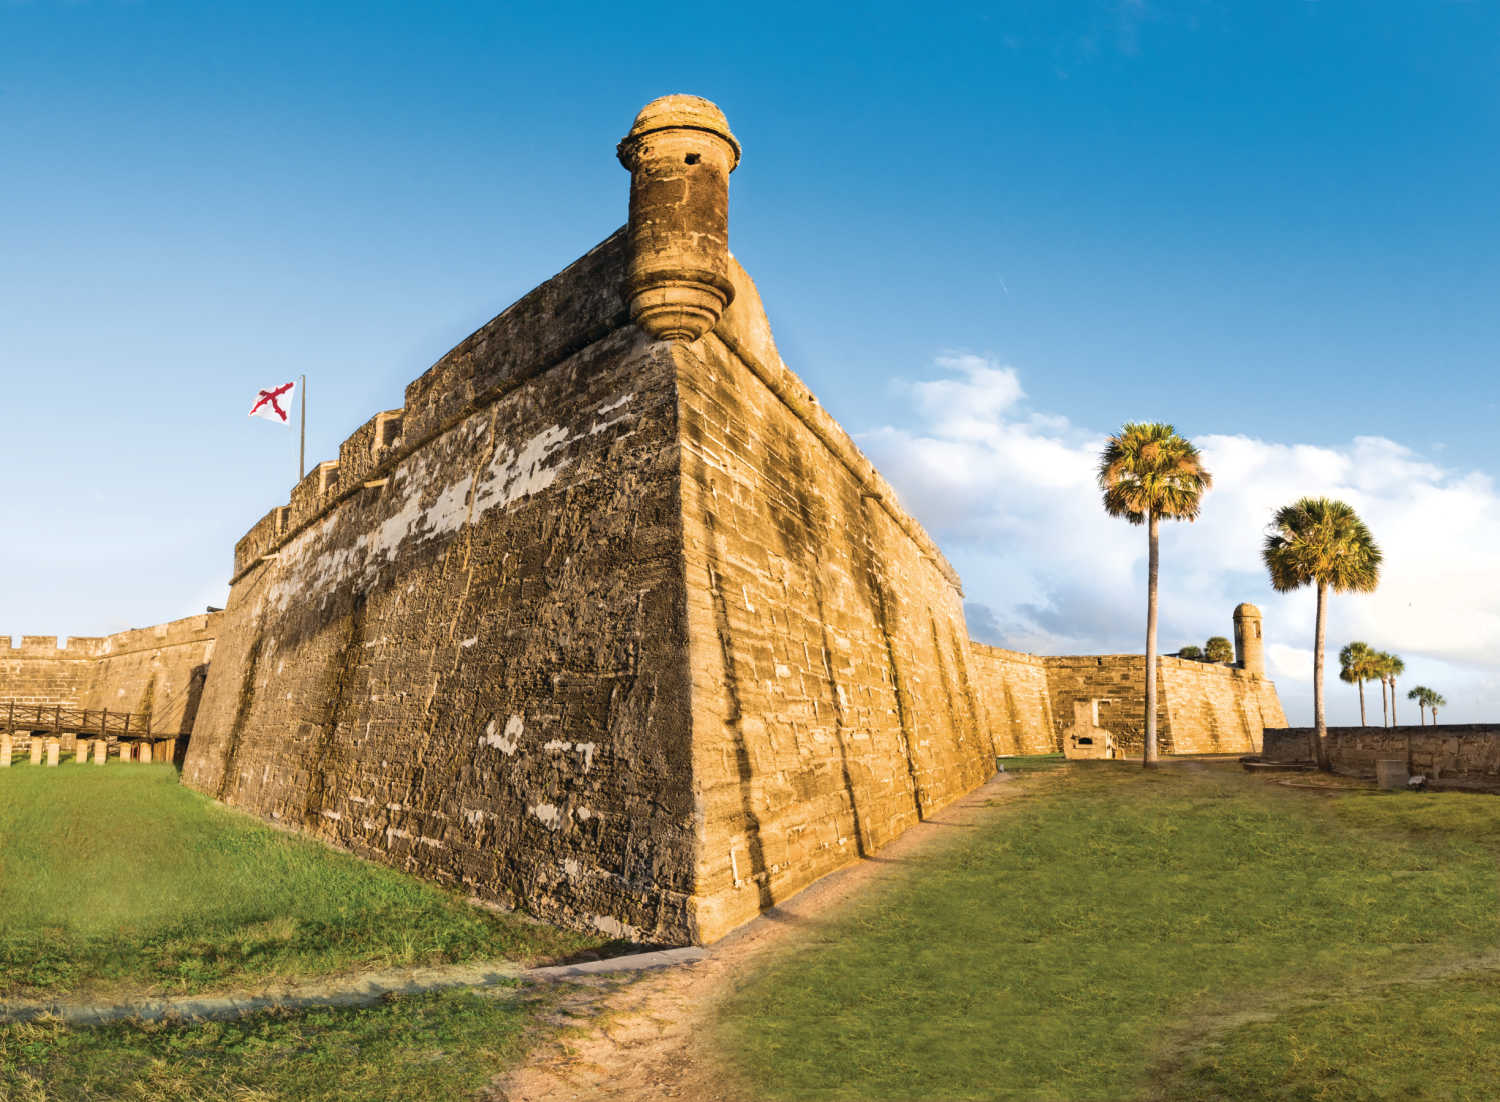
{"x":307,"y":565}
{"x":613,"y":927}
{"x":507,"y":740}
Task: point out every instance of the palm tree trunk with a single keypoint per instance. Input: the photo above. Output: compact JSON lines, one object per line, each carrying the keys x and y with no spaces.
{"x":1361,"y":684}
{"x":1385,"y":716}
{"x":1152,"y":565}
{"x":1393,"y":701}
{"x":1320,"y":724}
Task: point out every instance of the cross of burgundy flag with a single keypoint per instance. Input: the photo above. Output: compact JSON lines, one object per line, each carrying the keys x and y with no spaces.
{"x":275,"y":403}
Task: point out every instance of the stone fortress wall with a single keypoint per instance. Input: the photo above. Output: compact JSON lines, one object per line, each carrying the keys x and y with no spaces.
{"x":1202,"y":707}
{"x":161,"y":668}
{"x":1016,"y":692}
{"x":611,"y":620}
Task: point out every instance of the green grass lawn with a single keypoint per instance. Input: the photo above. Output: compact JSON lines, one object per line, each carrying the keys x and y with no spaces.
{"x":430,"y":1047}
{"x":1187,"y":933}
{"x":120,"y":881}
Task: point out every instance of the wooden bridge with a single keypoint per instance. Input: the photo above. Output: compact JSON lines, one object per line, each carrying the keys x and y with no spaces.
{"x":59,"y":719}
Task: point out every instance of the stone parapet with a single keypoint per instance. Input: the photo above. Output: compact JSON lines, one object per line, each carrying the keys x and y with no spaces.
{"x":538,"y":333}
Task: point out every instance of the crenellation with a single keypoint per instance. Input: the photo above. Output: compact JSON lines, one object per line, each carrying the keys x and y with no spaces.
{"x":260,"y":540}
{"x":366,"y":448}
{"x":159,"y":670}
{"x":307,"y":501}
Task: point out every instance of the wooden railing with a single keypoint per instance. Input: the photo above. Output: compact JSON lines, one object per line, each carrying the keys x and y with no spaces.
{"x":57,"y":719}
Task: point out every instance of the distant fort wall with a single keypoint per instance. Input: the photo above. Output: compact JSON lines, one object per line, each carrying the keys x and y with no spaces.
{"x":1017,"y":700}
{"x":1441,"y":752}
{"x":1202,"y":707}
{"x":160,"y":669}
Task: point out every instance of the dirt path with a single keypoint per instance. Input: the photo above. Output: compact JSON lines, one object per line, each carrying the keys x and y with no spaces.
{"x":352,"y":989}
{"x":644,"y":1038}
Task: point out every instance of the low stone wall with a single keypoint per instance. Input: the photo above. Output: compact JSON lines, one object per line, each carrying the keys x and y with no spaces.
{"x":1450,"y":751}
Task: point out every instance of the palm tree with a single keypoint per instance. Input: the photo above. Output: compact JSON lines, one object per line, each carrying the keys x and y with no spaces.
{"x":1320,"y":542}
{"x":1148,"y":472}
{"x":1393,"y":667}
{"x":1356,"y":666}
{"x":1192,"y":653}
{"x":1381,"y":658}
{"x":1218,"y":649}
{"x":1420,"y":694}
{"x":1435,"y":700}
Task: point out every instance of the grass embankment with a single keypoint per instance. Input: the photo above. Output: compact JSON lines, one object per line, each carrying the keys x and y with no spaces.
{"x":1109,"y":933}
{"x":120,"y":882}
{"x":431,"y":1047}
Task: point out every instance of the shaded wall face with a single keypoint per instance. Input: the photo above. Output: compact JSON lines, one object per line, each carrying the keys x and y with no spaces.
{"x":833,"y":704}
{"x":1017,"y":703}
{"x":164,"y":676}
{"x":476,"y":671}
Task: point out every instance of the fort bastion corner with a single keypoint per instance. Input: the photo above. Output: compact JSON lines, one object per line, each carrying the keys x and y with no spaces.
{"x":613,"y":622}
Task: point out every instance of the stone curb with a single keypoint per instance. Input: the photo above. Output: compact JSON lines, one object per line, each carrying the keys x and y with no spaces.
{"x":360,"y":990}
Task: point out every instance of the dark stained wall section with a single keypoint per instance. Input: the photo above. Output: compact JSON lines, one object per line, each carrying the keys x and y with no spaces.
{"x":475,"y":667}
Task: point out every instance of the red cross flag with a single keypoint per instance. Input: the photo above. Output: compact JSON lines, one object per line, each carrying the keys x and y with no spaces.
{"x":274,"y":403}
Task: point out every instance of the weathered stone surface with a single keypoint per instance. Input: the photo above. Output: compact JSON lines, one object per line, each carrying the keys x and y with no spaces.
{"x":1202,"y":707}
{"x":1390,"y":773}
{"x":161,"y":669}
{"x":478,"y":671}
{"x":833,"y":704}
{"x":1447,"y":751}
{"x":1017,"y":701}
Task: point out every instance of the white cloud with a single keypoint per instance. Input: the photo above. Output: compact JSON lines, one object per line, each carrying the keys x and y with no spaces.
{"x":1010,"y":493}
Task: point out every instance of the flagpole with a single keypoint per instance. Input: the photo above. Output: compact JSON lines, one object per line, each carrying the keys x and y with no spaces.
{"x":302,"y":442}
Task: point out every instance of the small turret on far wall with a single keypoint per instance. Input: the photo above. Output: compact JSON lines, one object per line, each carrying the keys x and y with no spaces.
{"x":1249,"y":648}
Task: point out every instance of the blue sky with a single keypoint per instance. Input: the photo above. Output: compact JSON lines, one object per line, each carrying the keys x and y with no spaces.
{"x":1269,"y":222}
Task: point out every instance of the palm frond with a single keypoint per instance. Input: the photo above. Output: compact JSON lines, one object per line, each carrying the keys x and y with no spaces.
{"x":1318,"y":540}
{"x":1147,"y":468}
